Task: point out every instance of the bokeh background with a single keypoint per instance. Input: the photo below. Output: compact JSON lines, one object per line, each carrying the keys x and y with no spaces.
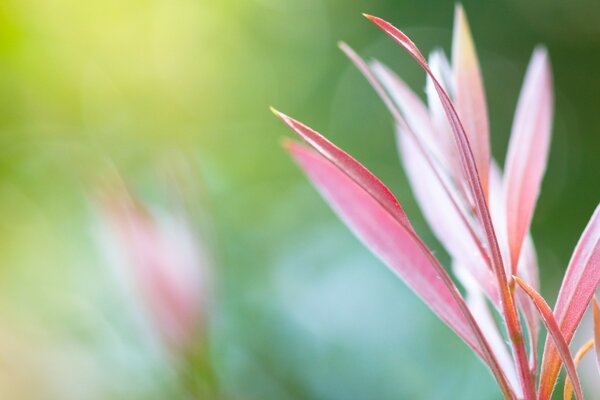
{"x":90,"y":89}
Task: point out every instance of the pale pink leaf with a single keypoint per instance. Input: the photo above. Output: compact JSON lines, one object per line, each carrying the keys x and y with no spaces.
{"x":554,"y":333}
{"x":469,"y":97}
{"x":579,"y":284}
{"x":528,"y":151}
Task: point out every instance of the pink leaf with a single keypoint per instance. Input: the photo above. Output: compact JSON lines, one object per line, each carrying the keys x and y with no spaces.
{"x":350,"y":166}
{"x":469,"y":97}
{"x":397,"y":246}
{"x":555,"y":333}
{"x":579,"y":284}
{"x":528,"y":151}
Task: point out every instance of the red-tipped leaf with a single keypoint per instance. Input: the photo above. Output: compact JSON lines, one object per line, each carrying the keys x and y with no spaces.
{"x":350,"y":166}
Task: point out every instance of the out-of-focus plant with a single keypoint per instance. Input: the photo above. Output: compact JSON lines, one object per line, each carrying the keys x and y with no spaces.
{"x":481,"y":214}
{"x":169,"y":273}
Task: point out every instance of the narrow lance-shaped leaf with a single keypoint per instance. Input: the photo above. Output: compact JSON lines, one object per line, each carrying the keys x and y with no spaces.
{"x":398,"y":247}
{"x":528,"y":151}
{"x":583,"y":350}
{"x":579,"y":284}
{"x":468,"y":162}
{"x":469,"y":97}
{"x":554,"y":333}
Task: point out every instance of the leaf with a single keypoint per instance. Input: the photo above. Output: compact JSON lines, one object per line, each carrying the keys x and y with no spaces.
{"x":469,"y":97}
{"x":583,"y":350}
{"x":350,"y":166}
{"x":554,"y":332}
{"x":397,"y":246}
{"x":579,"y":284}
{"x":528,"y":151}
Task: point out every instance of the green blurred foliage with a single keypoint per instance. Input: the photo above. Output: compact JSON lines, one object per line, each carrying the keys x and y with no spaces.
{"x":303,"y":310}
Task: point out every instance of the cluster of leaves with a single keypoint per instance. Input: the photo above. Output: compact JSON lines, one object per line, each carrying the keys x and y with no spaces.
{"x":481,"y":214}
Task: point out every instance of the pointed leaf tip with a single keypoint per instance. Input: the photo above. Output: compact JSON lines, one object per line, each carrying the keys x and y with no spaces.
{"x":351,"y":167}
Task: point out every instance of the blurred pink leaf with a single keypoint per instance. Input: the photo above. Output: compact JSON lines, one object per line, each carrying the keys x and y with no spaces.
{"x":166,"y":264}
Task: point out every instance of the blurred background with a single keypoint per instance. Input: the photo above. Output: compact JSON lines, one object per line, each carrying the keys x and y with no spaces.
{"x":98,"y":92}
